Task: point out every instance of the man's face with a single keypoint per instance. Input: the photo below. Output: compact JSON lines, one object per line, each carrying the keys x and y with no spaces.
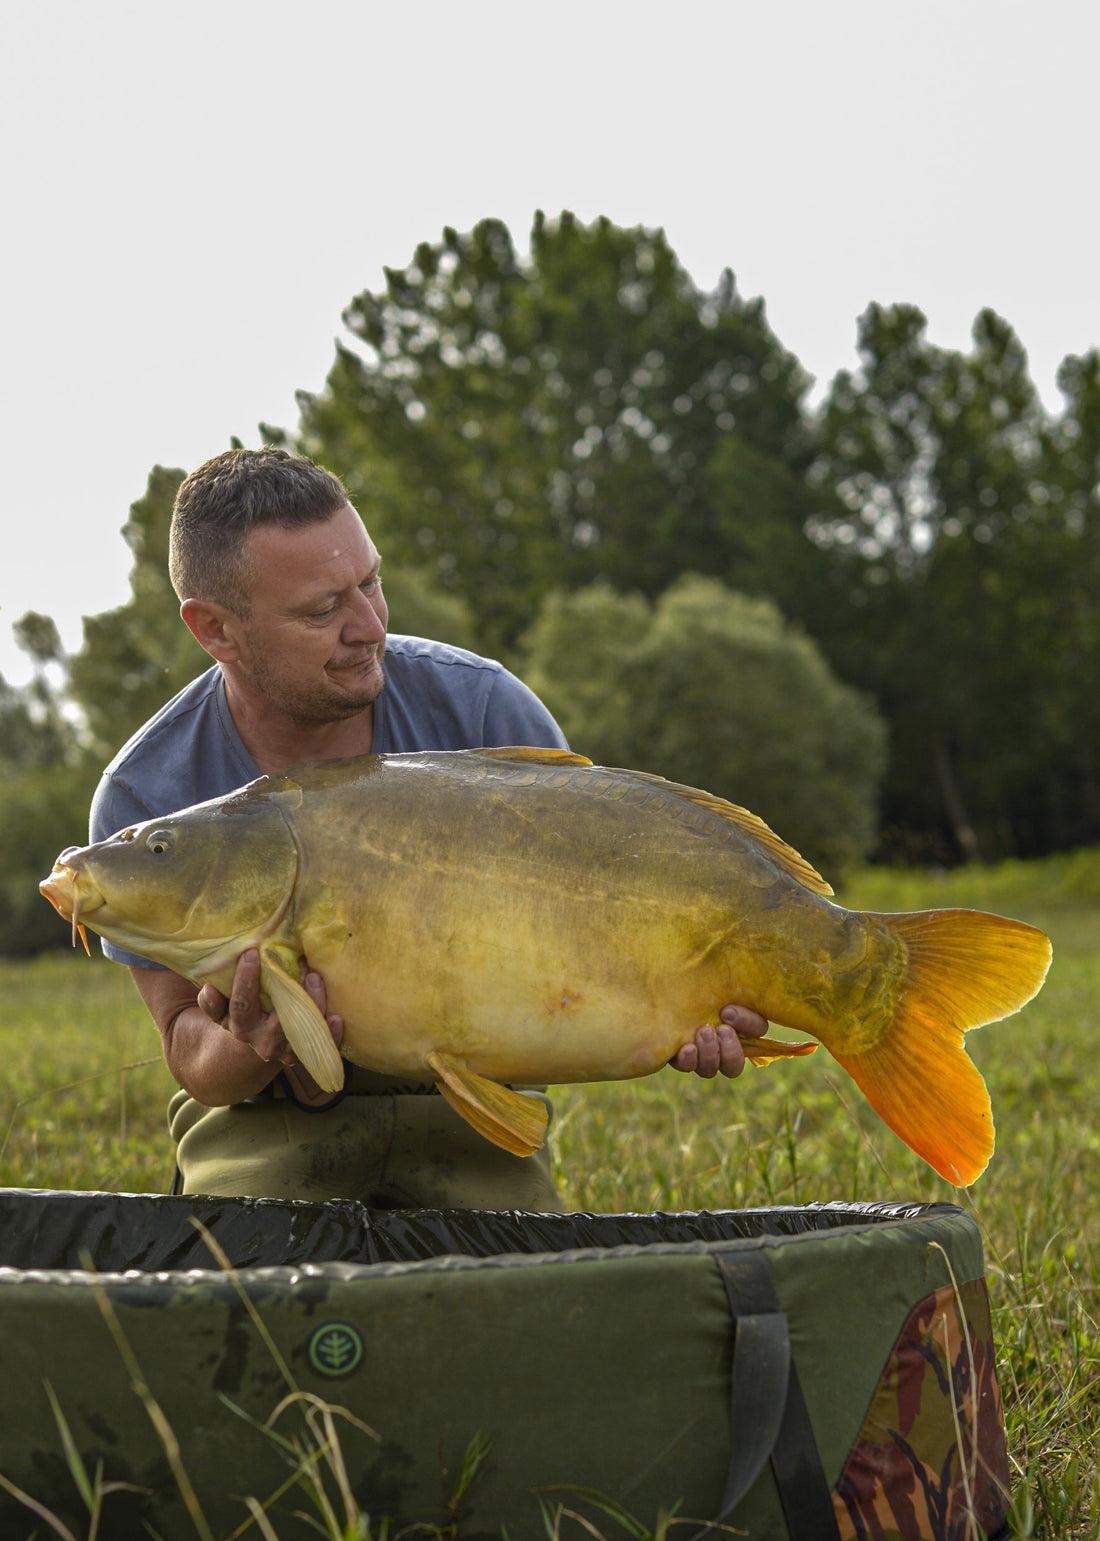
{"x":311,"y":648}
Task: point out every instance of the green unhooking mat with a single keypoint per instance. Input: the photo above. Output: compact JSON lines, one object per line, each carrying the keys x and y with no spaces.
{"x":788,"y":1374}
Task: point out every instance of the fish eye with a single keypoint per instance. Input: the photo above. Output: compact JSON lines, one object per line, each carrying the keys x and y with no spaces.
{"x":159,"y":842}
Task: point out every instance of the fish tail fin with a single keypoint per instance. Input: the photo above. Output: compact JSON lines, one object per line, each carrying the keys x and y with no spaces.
{"x":965,"y":969}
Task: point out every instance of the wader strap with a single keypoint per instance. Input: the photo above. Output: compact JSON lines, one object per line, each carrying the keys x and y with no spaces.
{"x":769,"y":1417}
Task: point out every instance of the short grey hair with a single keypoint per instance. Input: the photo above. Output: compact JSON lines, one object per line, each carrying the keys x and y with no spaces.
{"x":219,"y":505}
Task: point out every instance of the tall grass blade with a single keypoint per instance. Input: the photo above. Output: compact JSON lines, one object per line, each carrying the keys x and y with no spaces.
{"x":155,"y":1413}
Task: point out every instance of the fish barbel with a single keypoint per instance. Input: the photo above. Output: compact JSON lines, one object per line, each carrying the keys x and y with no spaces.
{"x":486,"y":918}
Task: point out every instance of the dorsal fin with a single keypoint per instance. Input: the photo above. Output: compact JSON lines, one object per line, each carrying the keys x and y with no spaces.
{"x":787,"y":857}
{"x":534,"y":756}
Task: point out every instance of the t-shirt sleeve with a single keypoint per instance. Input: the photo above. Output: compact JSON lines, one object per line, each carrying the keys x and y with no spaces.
{"x":515,"y":715}
{"x":115,"y":806}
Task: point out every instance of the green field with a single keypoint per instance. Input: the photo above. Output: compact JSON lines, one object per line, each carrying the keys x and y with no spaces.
{"x":82,"y":1110}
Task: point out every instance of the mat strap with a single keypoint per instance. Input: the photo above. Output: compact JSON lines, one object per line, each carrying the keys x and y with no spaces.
{"x":768,"y":1415}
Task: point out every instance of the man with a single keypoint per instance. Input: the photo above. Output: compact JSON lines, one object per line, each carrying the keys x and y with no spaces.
{"x":279,"y":582}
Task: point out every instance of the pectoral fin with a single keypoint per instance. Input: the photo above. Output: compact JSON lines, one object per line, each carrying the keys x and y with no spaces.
{"x":305,"y":1028}
{"x":761,"y":1051}
{"x":507,"y":1118}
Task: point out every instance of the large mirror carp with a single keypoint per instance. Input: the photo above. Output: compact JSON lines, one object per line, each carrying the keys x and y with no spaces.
{"x":486,"y":918}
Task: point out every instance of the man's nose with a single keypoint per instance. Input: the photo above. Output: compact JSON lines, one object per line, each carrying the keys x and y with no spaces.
{"x":365,"y":624}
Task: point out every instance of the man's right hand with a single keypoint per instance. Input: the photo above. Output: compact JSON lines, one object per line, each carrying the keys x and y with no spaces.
{"x":243,"y":1016}
{"x":225,"y":1050}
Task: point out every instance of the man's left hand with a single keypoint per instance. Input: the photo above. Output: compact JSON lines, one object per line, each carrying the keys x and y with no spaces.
{"x":715,"y":1050}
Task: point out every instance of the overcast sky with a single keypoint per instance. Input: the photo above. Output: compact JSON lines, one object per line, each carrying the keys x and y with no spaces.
{"x":193,"y":193}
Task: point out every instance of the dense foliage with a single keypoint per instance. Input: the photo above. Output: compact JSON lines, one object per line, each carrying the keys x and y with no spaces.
{"x":546,"y":446}
{"x":522,"y":425}
{"x":714,"y":689}
{"x":964,"y":584}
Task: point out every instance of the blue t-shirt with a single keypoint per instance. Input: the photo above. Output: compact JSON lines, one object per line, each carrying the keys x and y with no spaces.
{"x":435,"y":697}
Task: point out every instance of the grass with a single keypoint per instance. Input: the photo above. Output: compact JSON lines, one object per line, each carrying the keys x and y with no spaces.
{"x":82,"y":1108}
{"x":85,"y":1089}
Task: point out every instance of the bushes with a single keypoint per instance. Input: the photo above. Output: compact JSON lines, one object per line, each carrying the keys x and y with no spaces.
{"x":41,"y":812}
{"x":712,"y":688}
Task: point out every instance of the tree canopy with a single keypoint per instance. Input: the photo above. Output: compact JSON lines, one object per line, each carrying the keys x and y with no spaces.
{"x":521,"y":424}
{"x":964,"y":584}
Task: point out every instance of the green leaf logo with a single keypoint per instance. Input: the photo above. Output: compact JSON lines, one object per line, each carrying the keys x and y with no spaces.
{"x":335,"y":1349}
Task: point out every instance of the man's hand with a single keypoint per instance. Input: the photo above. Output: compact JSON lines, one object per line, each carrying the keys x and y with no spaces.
{"x":243,"y":1016}
{"x":711,"y":1050}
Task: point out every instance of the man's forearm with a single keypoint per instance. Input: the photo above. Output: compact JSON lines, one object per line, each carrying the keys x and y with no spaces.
{"x":213,"y":1065}
{"x":210,"y":1063}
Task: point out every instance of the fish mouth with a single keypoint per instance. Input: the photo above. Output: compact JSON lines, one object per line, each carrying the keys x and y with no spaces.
{"x":72,"y":895}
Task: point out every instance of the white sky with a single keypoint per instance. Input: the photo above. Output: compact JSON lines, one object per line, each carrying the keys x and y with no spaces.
{"x":193,"y":193}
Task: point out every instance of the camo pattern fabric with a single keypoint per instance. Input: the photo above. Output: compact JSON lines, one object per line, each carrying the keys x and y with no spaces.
{"x":930,"y":1462}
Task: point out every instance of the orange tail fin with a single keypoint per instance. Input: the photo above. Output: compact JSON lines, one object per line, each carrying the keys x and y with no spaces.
{"x":966,"y":968}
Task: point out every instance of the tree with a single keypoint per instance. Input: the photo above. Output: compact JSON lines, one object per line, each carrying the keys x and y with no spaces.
{"x":518,"y":425}
{"x":45,"y":787}
{"x":418,"y":606}
{"x":715,"y":689}
{"x":33,"y":730}
{"x":137,"y":656}
{"x":943,"y":593}
{"x":1063,"y":586}
{"x":41,"y":812}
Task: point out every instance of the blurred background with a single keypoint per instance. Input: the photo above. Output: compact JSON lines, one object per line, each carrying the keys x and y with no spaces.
{"x":729,"y":371}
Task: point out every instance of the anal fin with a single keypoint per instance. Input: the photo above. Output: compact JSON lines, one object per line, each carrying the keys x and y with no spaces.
{"x":514,"y":1122}
{"x":761,"y":1051}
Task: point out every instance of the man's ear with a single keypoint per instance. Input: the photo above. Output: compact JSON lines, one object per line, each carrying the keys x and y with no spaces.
{"x":214,"y":628}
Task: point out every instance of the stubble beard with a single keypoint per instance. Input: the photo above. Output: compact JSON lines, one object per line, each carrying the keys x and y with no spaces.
{"x":317,"y":708}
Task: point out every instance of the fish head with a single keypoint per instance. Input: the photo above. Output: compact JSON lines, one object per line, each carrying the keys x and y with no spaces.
{"x":190,"y":890}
